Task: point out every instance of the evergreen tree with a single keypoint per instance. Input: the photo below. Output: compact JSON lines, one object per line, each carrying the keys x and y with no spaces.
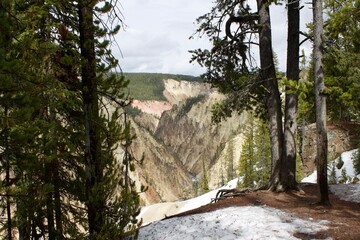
{"x":229,"y":159}
{"x":356,"y":161}
{"x":342,"y":58}
{"x":246,"y":164}
{"x":203,"y":183}
{"x":5,"y":39}
{"x":231,"y":69}
{"x":262,"y":155}
{"x":291,"y":98}
{"x":332,"y":176}
{"x":255,"y":160}
{"x":44,"y":136}
{"x":320,"y":103}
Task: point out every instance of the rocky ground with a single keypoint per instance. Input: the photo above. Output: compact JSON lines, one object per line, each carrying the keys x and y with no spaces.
{"x":343,"y":215}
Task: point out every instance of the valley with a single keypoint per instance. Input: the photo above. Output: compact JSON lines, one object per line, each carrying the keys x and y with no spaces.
{"x":177,"y":139}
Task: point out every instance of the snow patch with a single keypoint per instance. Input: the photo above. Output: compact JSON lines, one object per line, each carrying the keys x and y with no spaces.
{"x":206,"y":198}
{"x":348,"y":167}
{"x":250,"y":222}
{"x":160,"y":211}
{"x":347,"y":192}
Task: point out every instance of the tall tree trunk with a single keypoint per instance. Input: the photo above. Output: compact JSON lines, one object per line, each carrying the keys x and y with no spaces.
{"x":320,"y":102}
{"x":6,"y":160}
{"x":57,"y":200}
{"x":5,"y":41}
{"x":48,"y":174}
{"x":49,"y":202}
{"x":272,"y":101}
{"x":291,"y":99}
{"x":94,"y":171}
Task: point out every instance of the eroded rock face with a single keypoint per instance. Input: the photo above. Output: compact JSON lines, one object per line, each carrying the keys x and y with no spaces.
{"x":178,"y":91}
{"x":191,"y":135}
{"x":155,"y":108}
{"x":342,"y":137}
{"x":176,"y":143}
{"x":177,"y":136}
{"x":165,"y":176}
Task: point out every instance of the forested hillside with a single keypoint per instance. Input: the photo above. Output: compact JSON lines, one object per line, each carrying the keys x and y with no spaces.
{"x":150,"y":86}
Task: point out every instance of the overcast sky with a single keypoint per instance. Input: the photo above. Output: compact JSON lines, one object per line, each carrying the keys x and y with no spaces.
{"x":156,"y":38}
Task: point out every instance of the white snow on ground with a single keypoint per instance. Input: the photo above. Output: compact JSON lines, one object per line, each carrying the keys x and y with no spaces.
{"x":249,"y":222}
{"x":348,"y":192}
{"x":206,"y":198}
{"x":347,"y":167}
{"x":161,"y":210}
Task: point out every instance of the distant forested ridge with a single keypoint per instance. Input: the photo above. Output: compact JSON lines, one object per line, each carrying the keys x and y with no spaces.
{"x":150,"y":86}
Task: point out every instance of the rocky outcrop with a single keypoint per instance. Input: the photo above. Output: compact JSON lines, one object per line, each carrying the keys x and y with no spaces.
{"x":178,"y":91}
{"x":155,"y":108}
{"x":342,"y":136}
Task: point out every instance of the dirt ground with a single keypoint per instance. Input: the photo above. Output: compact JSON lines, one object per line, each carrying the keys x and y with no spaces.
{"x":344,"y":216}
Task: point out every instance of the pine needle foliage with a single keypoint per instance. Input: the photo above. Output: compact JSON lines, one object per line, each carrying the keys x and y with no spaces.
{"x":43,"y":125}
{"x":255,"y":160}
{"x":356,"y":161}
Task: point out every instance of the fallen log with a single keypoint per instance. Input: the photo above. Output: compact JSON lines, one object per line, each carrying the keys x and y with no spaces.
{"x":229,"y":193}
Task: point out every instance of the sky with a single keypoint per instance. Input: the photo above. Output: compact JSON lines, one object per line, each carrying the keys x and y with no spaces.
{"x":156,"y":36}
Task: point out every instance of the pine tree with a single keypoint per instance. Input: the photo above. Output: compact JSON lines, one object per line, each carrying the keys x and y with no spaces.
{"x":203,"y":183}
{"x":356,"y":161}
{"x":262,"y":155}
{"x":255,"y":159}
{"x":229,"y":159}
{"x":291,"y":98}
{"x":342,"y":58}
{"x":320,"y":103}
{"x":332,"y":176}
{"x":230,"y":69}
{"x":246,"y":161}
{"x":5,"y":123}
{"x":46,"y":139}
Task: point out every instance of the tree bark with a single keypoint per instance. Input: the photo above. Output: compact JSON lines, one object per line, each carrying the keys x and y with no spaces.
{"x":95,"y":203}
{"x":291,"y":99}
{"x":49,"y":202}
{"x":5,"y":40}
{"x":320,"y":102}
{"x":57,"y":200}
{"x":6,"y":160}
{"x":272,"y":100}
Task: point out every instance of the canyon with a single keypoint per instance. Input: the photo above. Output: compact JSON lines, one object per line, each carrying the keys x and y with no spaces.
{"x":178,"y":139}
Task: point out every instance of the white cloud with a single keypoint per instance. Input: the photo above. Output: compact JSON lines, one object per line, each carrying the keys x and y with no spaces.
{"x":156,"y":38}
